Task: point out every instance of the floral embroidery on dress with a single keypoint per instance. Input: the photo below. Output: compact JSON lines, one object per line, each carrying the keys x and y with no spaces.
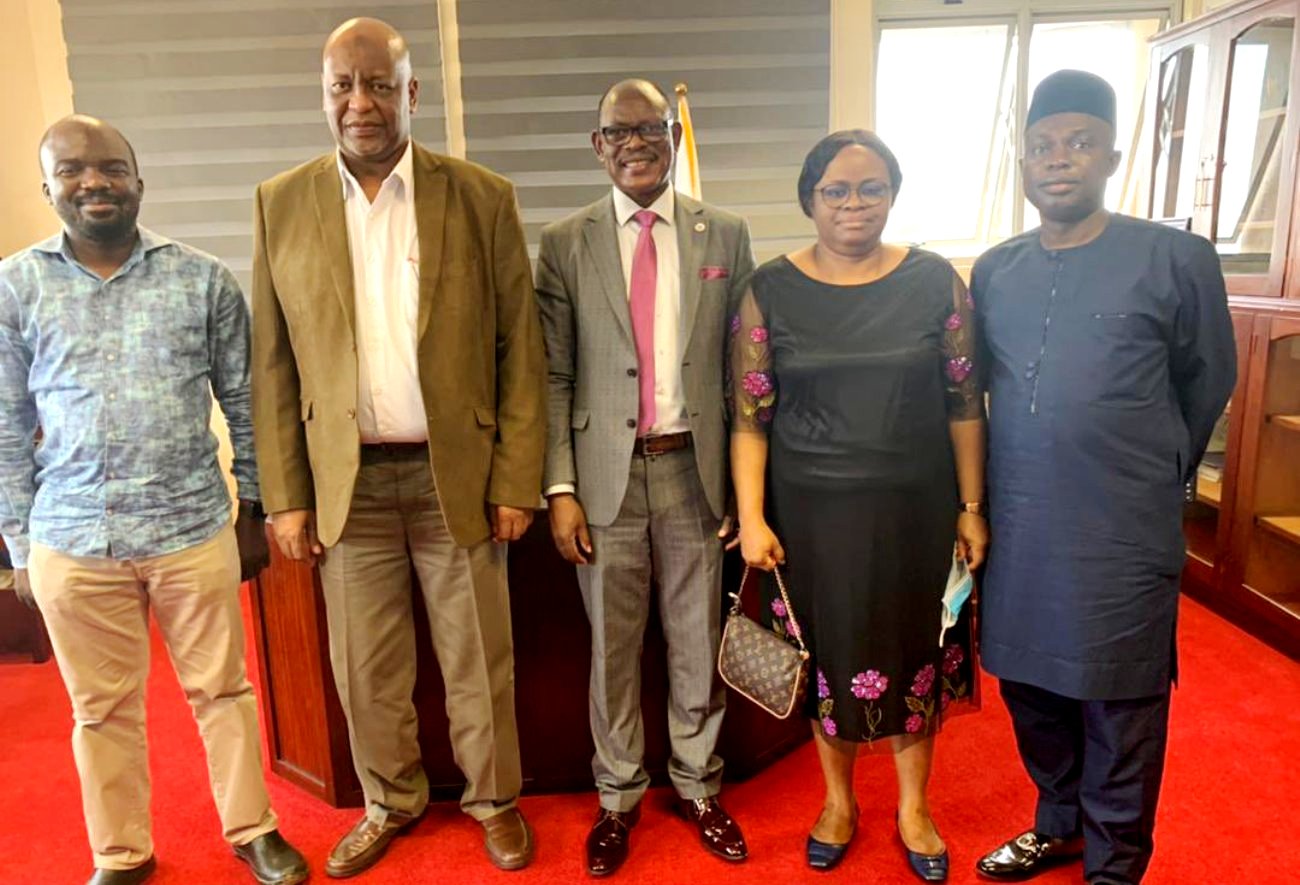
{"x":953,"y":688}
{"x":921,"y":701}
{"x":750,"y":380}
{"x":757,"y":384}
{"x":959,"y":368}
{"x":825,"y":704}
{"x":869,"y":685}
{"x":964,"y":395}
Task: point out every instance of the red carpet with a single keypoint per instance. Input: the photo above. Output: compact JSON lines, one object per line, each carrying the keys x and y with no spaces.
{"x":1227,"y":815}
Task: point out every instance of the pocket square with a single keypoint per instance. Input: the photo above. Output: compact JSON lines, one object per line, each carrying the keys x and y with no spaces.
{"x":714,"y":273}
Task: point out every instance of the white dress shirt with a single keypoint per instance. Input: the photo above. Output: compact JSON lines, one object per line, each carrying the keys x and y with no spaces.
{"x":670,"y":398}
{"x":385,"y":249}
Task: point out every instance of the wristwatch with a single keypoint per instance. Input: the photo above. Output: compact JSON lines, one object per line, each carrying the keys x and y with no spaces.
{"x":976,"y":507}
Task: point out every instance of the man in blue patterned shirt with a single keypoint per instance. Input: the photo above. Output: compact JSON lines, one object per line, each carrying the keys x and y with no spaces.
{"x":112,"y":342}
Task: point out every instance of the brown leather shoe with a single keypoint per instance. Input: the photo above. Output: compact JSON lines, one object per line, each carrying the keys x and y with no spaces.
{"x":719,"y":833}
{"x":508,"y":840}
{"x":607,"y":841}
{"x":133,"y":876}
{"x":364,"y":845}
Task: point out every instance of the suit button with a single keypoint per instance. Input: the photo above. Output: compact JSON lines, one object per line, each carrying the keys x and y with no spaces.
{"x":352,"y":413}
{"x":631,"y":422}
{"x":631,"y":373}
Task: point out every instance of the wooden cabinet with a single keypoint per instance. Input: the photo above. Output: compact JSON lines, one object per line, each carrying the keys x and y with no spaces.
{"x":1224,"y":105}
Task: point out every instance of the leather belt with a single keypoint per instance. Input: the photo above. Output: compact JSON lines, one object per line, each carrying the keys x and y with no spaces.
{"x":658,"y":445}
{"x":394,"y":449}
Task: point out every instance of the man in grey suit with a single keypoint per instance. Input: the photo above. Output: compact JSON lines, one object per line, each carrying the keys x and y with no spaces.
{"x":635,"y":292}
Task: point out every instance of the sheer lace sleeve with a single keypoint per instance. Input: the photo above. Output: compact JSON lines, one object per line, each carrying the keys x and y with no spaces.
{"x":751,"y":382}
{"x":962,"y":374}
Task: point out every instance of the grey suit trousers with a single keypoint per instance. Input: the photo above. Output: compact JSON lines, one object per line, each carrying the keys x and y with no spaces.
{"x":665,"y":535}
{"x":367,"y":582}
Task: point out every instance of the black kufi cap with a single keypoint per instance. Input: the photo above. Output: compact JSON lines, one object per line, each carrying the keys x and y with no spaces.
{"x":1072,"y":92}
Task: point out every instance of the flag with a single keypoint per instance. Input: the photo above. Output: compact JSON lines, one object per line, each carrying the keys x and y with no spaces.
{"x":687,"y":174}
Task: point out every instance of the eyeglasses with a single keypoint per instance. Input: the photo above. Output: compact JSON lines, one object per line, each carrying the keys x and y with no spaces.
{"x":870,"y":192}
{"x":649,"y":132}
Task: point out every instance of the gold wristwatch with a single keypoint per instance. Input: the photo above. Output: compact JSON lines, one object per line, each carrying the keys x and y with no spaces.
{"x":976,"y":507}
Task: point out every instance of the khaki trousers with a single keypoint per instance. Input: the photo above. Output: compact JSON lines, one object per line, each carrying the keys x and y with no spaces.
{"x":97,"y":613}
{"x":396,"y":521}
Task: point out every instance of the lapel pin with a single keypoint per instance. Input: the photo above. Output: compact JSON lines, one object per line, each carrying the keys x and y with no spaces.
{"x":699,"y":227}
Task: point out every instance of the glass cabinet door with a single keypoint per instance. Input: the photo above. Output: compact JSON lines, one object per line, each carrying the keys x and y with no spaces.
{"x":1273,"y":553}
{"x":1252,"y":147}
{"x":1179,"y":175}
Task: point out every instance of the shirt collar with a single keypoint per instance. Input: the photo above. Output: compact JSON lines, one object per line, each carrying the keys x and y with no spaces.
{"x":147,"y":241}
{"x":403,"y":173}
{"x":625,"y":207}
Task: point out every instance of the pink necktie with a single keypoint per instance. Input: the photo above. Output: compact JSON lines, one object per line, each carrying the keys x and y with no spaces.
{"x":642,"y":304}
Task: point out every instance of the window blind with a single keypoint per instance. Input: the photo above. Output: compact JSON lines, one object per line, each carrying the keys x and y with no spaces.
{"x":758,"y":72}
{"x":219,"y":95}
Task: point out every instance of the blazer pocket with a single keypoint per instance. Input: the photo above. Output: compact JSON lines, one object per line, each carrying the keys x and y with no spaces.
{"x":306,"y":410}
{"x":580,"y":419}
{"x":485,"y":416}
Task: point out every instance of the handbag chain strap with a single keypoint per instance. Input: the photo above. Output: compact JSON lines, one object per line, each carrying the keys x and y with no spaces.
{"x":795,"y":629}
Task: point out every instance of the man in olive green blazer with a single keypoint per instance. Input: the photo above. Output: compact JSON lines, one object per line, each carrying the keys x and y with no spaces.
{"x":399,"y":411}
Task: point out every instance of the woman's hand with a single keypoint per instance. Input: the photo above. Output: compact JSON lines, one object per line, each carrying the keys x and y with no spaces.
{"x":972,"y":538}
{"x":759,"y":546}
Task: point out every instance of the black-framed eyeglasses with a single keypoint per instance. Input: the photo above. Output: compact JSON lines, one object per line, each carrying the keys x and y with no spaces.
{"x":649,"y":132}
{"x":870,"y":192}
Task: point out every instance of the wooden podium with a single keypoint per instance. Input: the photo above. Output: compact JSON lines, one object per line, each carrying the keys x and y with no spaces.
{"x":308,"y":737}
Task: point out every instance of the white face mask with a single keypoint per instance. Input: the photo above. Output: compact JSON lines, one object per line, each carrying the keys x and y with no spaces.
{"x":960,"y":584}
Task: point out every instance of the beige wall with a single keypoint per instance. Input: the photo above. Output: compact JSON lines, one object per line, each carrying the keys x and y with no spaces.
{"x":31,"y":52}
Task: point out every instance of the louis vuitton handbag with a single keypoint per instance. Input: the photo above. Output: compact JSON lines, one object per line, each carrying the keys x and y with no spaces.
{"x":758,"y":663}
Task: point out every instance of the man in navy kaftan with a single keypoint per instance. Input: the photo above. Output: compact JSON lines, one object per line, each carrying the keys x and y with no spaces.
{"x":1110,"y":355}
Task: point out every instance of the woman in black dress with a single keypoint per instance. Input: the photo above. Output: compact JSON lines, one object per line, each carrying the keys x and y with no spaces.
{"x":859,"y":434}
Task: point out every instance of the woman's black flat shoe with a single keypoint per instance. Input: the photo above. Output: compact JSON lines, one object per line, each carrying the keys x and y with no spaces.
{"x":928,"y":867}
{"x":825,"y":856}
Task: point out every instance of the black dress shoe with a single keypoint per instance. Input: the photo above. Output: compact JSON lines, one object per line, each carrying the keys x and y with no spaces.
{"x":1026,"y":856}
{"x":133,"y":876}
{"x":720,"y":834}
{"x":607,"y":841}
{"x":272,"y":860}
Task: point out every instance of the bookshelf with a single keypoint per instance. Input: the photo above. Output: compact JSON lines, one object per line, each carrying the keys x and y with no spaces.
{"x":1224,"y":101}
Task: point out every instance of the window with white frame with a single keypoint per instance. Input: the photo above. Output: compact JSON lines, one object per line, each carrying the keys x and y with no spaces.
{"x":953,"y":82}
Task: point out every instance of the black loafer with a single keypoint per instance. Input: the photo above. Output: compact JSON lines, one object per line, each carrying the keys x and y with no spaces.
{"x":272,"y":860}
{"x":133,"y":876}
{"x":1026,"y":856}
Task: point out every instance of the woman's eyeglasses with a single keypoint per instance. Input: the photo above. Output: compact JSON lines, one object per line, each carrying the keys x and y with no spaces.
{"x":836,"y":196}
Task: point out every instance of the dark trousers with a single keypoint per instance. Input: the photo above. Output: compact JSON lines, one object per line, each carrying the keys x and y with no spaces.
{"x":1097,"y":766}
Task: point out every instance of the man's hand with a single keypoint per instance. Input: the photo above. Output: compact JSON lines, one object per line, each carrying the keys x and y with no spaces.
{"x":509,"y":523}
{"x":250,"y":535}
{"x":569,"y":528}
{"x":23,"y":588}
{"x":729,"y":531}
{"x":295,"y":535}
